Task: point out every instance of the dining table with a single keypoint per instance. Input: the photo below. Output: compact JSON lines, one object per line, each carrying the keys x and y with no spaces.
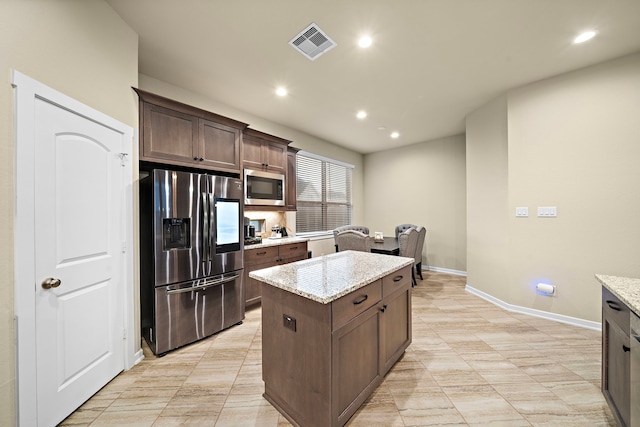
{"x":387,"y":246}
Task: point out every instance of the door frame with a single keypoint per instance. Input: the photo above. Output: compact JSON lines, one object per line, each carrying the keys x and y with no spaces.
{"x":26,"y":90}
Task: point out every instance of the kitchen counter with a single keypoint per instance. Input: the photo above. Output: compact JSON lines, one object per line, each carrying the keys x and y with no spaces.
{"x":329,"y":277}
{"x":625,"y":288}
{"x":266,"y":242}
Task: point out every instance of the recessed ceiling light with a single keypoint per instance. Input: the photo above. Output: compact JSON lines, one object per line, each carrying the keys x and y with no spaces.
{"x":587,"y":35}
{"x":281,"y":91}
{"x":395,"y":135}
{"x":364,"y":41}
{"x":361,"y":114}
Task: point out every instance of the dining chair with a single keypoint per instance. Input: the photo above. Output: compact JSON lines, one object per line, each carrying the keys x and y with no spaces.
{"x":403,"y":227}
{"x":353,"y":240}
{"x":337,"y":230}
{"x":422,"y":233}
{"x":408,"y":242}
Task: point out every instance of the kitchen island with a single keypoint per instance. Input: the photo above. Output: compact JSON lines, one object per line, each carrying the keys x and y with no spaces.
{"x":332,"y":327}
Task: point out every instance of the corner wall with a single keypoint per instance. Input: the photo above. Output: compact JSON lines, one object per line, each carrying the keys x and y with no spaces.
{"x":84,"y":50}
{"x":487,"y":198}
{"x":572,"y":141}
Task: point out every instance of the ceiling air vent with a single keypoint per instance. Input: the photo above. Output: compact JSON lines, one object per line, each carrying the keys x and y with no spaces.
{"x":312,"y":42}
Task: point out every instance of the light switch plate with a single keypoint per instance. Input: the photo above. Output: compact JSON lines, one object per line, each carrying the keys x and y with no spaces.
{"x":547,"y":211}
{"x":522,"y":211}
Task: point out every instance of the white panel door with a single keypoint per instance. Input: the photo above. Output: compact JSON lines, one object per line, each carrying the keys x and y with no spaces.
{"x":78,"y":227}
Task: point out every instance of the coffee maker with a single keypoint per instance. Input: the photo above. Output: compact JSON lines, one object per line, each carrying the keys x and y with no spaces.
{"x":250,"y":233}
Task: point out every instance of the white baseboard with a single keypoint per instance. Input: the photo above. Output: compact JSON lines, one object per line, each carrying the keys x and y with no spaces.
{"x":138,"y":357}
{"x":444,"y":270}
{"x":537,"y":313}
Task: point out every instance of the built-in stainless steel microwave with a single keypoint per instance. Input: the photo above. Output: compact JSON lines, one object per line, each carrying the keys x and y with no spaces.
{"x":263,"y":188}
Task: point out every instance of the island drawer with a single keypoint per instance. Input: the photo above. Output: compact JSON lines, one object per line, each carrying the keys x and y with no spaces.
{"x":616,"y":310}
{"x":293,"y":250}
{"x":349,"y":306}
{"x":260,"y":255}
{"x":396,"y":280}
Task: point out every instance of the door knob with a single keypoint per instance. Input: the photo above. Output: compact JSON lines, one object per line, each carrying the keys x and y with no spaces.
{"x":50,"y":282}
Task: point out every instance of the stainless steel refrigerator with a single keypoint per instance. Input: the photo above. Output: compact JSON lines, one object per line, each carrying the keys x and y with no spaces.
{"x":191,"y":257}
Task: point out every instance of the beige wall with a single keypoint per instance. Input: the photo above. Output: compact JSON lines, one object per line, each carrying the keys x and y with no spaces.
{"x":487,"y":197}
{"x":422,"y":184}
{"x":572,"y":142}
{"x":84,"y":50}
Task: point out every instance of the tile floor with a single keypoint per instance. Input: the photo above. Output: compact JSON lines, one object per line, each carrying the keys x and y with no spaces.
{"x":470,"y":363}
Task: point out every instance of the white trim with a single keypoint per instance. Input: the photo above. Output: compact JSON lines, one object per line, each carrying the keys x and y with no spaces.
{"x":316,"y":235}
{"x":574,"y":321}
{"x":26,"y":90}
{"x":444,"y":270}
{"x":138,"y":356}
{"x":326,"y":159}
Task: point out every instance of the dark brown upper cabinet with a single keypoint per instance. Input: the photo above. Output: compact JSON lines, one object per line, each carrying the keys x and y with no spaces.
{"x":264,"y":152}
{"x":174,"y":133}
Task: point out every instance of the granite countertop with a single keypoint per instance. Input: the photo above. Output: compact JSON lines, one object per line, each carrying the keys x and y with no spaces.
{"x":625,"y":288}
{"x":327,"y":278}
{"x":275,"y":242}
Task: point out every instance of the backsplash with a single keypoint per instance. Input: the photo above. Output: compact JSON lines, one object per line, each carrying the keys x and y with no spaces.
{"x":270,"y":218}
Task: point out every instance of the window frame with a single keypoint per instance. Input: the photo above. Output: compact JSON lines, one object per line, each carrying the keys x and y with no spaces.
{"x":325,"y":204}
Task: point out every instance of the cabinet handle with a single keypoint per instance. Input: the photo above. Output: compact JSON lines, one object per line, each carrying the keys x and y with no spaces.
{"x":625,"y":348}
{"x":201,"y":159}
{"x":613,"y":306}
{"x":195,"y":158}
{"x":360,"y":300}
{"x":261,"y":253}
{"x":397,"y":278}
{"x":384,"y":307}
{"x":295,"y":248}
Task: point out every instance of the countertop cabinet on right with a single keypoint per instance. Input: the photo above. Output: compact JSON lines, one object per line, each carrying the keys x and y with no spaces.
{"x":616,"y":356}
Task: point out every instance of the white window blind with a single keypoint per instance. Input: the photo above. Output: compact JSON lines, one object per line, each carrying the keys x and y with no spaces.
{"x":323,"y":193}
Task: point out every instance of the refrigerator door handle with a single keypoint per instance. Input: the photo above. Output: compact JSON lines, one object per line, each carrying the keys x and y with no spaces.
{"x":204,"y":285}
{"x":205,"y":228}
{"x":212,"y":226}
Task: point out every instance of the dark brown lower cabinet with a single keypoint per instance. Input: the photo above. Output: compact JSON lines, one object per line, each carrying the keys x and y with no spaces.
{"x":320,"y":362}
{"x":259,"y":258}
{"x":616,"y":356}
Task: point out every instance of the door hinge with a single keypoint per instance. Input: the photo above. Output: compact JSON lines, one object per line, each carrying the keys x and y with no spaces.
{"x":124,"y":334}
{"x":124,"y":247}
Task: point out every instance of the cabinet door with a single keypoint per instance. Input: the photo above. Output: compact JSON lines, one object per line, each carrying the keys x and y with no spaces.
{"x":252,"y":153}
{"x":218,"y":146}
{"x":395,"y":326}
{"x":356,"y":364}
{"x":617,"y":372}
{"x":275,"y":157}
{"x":253,"y":287}
{"x":256,"y":259}
{"x":291,"y":181}
{"x":168,"y":135}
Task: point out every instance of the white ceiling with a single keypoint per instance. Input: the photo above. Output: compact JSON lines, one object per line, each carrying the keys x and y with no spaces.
{"x":432,"y":62}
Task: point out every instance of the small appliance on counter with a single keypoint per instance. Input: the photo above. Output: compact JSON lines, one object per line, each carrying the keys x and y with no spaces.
{"x":278,"y":232}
